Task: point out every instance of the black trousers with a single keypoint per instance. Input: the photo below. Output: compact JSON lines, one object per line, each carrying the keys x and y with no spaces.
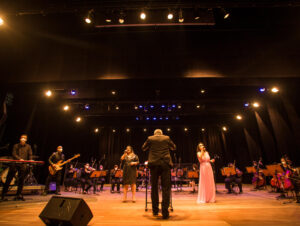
{"x":230,"y":180}
{"x":162,"y":170}
{"x":56,"y":177}
{"x":115,"y":181}
{"x":88,"y":182}
{"x":22,"y":172}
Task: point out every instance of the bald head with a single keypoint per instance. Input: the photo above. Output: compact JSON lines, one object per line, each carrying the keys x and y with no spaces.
{"x":158,"y":132}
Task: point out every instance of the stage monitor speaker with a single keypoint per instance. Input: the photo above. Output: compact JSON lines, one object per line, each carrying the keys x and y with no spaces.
{"x":66,"y":211}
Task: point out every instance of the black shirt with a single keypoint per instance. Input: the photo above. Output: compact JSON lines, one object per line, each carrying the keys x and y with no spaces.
{"x":22,"y":152}
{"x":56,"y":157}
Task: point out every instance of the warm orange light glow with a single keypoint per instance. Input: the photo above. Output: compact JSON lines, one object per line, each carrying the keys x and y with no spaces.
{"x":239,"y":117}
{"x":1,"y":21}
{"x":78,"y":119}
{"x":255,"y":104}
{"x":224,"y":128}
{"x":275,"y":90}
{"x":48,"y":93}
{"x":66,"y":108}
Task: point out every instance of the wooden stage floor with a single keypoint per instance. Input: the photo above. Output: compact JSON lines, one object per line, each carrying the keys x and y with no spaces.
{"x":250,"y":208}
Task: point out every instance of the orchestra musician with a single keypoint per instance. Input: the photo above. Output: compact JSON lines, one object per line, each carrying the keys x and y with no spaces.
{"x":115,"y":180}
{"x":258,"y":179}
{"x":69,"y":180}
{"x":53,"y":159}
{"x":235,"y":178}
{"x":86,"y":178}
{"x":130,"y":162}
{"x":284,"y":181}
{"x":101,"y":180}
{"x":194,"y":180}
{"x":21,"y":151}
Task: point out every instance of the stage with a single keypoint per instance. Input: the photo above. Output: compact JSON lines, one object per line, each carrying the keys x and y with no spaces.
{"x":249,"y":208}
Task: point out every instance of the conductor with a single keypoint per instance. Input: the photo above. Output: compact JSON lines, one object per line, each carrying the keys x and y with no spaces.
{"x":160,"y":164}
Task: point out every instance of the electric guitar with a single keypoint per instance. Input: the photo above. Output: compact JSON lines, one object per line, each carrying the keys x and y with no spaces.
{"x":58,"y":166}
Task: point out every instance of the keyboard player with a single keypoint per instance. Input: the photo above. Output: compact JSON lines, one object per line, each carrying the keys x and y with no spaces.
{"x":21,"y":151}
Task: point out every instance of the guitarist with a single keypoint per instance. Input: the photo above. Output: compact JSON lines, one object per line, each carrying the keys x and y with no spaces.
{"x":53,"y":159}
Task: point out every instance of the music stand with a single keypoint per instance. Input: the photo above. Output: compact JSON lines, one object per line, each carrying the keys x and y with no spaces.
{"x":119,"y":173}
{"x":95,"y":174}
{"x":274,"y":169}
{"x":250,"y":169}
{"x":192,"y":174}
{"x":227,"y":171}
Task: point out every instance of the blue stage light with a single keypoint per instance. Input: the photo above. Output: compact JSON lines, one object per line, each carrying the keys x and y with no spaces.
{"x":140,"y":106}
{"x":163,"y":106}
{"x":147,"y":118}
{"x":262,"y":90}
{"x":167,"y":118}
{"x":137,"y":118}
{"x":87,"y":107}
{"x":173,"y":105}
{"x":152,"y":106}
{"x":177,"y":118}
{"x":160,"y":118}
{"x":154,"y":118}
{"x":73,"y":92}
{"x":246,"y":104}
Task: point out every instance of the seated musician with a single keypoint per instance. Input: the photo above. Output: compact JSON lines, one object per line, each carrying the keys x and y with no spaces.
{"x":179,"y":177}
{"x":258,"y":179}
{"x":21,"y":151}
{"x":86,"y":180}
{"x":53,"y":159}
{"x":194,"y":181}
{"x":101,"y":180}
{"x":236,"y":178}
{"x":70,"y":181}
{"x":115,"y":180}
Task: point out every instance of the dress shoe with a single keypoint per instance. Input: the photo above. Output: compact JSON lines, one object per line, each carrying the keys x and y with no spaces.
{"x":155,"y":214}
{"x":166,"y":216}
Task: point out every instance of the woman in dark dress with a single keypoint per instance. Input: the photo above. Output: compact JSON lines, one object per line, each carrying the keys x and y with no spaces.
{"x":130,"y":161}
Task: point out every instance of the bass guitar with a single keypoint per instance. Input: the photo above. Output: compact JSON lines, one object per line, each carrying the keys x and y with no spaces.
{"x":59,"y":165}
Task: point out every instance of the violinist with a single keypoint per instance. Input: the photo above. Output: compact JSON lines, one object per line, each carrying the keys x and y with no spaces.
{"x":85,"y":178}
{"x":258,"y":179}
{"x":193,"y":182}
{"x":101,"y":180}
{"x":179,"y":178}
{"x":234,"y":178}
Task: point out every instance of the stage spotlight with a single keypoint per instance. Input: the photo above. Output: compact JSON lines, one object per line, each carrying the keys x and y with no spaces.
{"x":203,"y":129}
{"x":255,"y":104}
{"x":127,"y":130}
{"x":163,"y":106}
{"x":160,"y":118}
{"x":121,"y":17}
{"x":66,"y":107}
{"x":177,"y":118}
{"x":78,"y":119}
{"x":167,"y":118}
{"x":143,"y":15}
{"x":196,"y":14}
{"x":170,"y":15}
{"x":96,"y":130}
{"x":88,"y":20}
{"x":179,"y":106}
{"x":168,"y":129}
{"x":73,"y":92}
{"x":113,"y":130}
{"x":238,"y":117}
{"x":275,"y":90}
{"x":145,"y":130}
{"x":137,"y":118}
{"x":140,"y":106}
{"x":198,"y":106}
{"x":117,"y":108}
{"x":1,"y":21}
{"x":186,"y":129}
{"x":48,"y":93}
{"x":147,"y":118}
{"x":226,"y":14}
{"x":87,"y":107}
{"x":173,"y":105}
{"x":136,"y":107}
{"x":262,"y":90}
{"x":224,"y":128}
{"x":180,"y":16}
{"x":154,"y":118}
{"x":202,"y":91}
{"x":152,"y":106}
{"x":113,"y":92}
{"x":246,"y":104}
